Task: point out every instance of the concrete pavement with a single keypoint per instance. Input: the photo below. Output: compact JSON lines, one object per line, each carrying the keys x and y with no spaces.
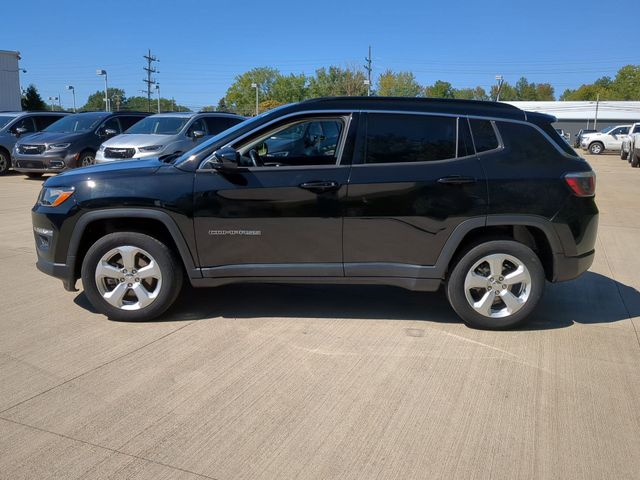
{"x":317,"y":382}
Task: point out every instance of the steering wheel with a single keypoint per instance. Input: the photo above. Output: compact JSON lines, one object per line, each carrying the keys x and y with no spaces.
{"x":255,"y":158}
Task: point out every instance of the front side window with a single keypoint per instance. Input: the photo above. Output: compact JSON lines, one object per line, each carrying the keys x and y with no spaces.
{"x":484,"y":135}
{"x":216,"y":125}
{"x":26,"y":123}
{"x":310,"y":142}
{"x":43,"y":121}
{"x":127,"y":121}
{"x":196,"y":126}
{"x":394,"y":138}
{"x":112,"y":124}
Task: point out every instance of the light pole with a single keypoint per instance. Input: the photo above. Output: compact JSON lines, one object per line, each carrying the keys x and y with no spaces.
{"x":158,"y":92}
{"x":73,"y":91}
{"x":101,"y":72}
{"x":53,"y":100}
{"x":255,"y":85}
{"x":500,"y":81}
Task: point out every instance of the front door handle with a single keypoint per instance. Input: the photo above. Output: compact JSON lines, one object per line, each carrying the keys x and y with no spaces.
{"x":320,"y":186}
{"x":456,"y":180}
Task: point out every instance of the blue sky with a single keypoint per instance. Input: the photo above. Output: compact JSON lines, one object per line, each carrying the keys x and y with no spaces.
{"x":203,"y":45}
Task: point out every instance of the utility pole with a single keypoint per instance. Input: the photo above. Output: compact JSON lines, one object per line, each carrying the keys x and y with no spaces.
{"x":500,"y":80}
{"x":257,"y":87}
{"x":158,"y":92}
{"x":149,"y":81}
{"x":595,"y":120}
{"x":118,"y":98}
{"x":368,"y":68}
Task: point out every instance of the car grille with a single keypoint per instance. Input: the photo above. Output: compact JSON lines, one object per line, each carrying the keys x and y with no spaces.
{"x":31,"y":149}
{"x":29,"y":164}
{"x":119,"y":152}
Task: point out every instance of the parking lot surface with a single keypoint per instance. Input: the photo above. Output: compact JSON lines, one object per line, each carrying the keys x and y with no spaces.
{"x":278,"y":382}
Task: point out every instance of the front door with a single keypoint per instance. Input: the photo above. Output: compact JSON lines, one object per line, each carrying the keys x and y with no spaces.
{"x":417,"y":179}
{"x":282,"y":215}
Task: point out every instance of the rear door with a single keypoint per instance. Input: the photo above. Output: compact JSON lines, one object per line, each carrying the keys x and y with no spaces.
{"x":415,"y":178}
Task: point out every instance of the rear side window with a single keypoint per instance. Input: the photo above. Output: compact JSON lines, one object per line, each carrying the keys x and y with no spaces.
{"x":484,"y":135}
{"x":394,"y":138}
{"x":557,"y":139}
{"x":216,"y":125}
{"x":43,"y":121}
{"x":526,"y":144}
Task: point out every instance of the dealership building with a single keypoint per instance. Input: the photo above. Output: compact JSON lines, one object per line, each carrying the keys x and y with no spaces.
{"x":573,"y":116}
{"x":9,"y":81}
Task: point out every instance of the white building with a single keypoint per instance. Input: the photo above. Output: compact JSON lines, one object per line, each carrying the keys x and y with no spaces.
{"x":572,"y":116}
{"x":9,"y":81}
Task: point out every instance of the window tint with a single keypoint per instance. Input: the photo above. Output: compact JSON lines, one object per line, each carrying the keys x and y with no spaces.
{"x":484,"y":135}
{"x":128,"y":121}
{"x":524,"y":143}
{"x":393,"y":138}
{"x":112,"y":124}
{"x":43,"y":121}
{"x":26,"y":123}
{"x":216,"y":125}
{"x":197,"y":125}
{"x":559,"y":141}
{"x":314,"y":142}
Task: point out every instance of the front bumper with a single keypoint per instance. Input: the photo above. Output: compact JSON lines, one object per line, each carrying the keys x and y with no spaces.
{"x":50,"y":162}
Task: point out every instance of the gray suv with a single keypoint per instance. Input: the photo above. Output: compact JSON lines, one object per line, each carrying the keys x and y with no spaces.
{"x":14,"y":125}
{"x":165,"y":134}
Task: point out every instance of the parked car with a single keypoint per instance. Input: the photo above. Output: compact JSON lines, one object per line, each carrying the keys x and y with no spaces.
{"x":627,"y":144}
{"x":609,"y":138}
{"x":364,"y":191}
{"x":70,"y":142}
{"x":165,"y":134}
{"x":566,"y":136}
{"x":583,"y":131}
{"x":634,"y":150}
{"x":14,"y":125}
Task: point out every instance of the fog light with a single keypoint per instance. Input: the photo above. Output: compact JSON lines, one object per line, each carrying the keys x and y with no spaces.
{"x":43,"y":231}
{"x":56,"y":164}
{"x":43,"y":242}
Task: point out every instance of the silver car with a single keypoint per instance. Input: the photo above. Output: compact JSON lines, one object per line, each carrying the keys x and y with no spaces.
{"x":165,"y":134}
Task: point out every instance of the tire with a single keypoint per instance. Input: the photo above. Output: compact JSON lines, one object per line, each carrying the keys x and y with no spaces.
{"x":5,"y":162}
{"x":623,"y":154}
{"x":34,"y":174}
{"x":635,"y":160}
{"x":473,"y":268}
{"x":133,"y":297}
{"x":87,"y":158}
{"x":596,"y":148}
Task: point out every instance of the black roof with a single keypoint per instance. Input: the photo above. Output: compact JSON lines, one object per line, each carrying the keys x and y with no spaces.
{"x":434,"y":105}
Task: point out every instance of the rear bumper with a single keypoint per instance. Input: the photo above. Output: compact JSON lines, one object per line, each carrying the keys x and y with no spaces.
{"x":567,"y":268}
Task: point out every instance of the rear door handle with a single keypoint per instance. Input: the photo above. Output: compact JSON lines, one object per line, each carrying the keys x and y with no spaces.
{"x":456,"y":180}
{"x":320,"y":186}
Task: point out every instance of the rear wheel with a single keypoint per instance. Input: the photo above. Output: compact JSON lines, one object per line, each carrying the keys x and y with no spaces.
{"x":5,"y":162}
{"x":496,"y":284}
{"x":596,"y":148}
{"x":623,"y":154}
{"x":131,"y":276}
{"x":635,"y":160}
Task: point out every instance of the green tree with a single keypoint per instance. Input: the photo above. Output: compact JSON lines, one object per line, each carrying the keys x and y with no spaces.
{"x":477,"y":93}
{"x":401,"y":84}
{"x":95,"y":102}
{"x":140,"y":104}
{"x":337,"y":81}
{"x":31,"y":99}
{"x":507,"y":92}
{"x":288,"y":89}
{"x":241,"y":96}
{"x":440,"y":89}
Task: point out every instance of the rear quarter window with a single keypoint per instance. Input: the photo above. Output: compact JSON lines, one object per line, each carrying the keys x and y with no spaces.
{"x":524,"y":143}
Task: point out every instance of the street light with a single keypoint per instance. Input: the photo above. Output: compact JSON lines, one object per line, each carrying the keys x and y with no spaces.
{"x":500,"y":81}
{"x":101,"y":72}
{"x":53,"y":100}
{"x":255,"y":85}
{"x":73,"y":91}
{"x":158,"y":92}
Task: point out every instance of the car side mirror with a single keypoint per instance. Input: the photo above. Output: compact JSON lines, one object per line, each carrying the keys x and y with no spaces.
{"x":227,"y":159}
{"x":19,"y":131}
{"x":110,"y":132}
{"x":196,"y":134}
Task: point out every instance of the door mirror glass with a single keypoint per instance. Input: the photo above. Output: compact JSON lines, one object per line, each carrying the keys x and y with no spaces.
{"x":110,"y":132}
{"x":196,"y":134}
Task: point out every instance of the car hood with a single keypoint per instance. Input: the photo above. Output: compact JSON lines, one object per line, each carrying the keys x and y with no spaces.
{"x":131,"y":140}
{"x":51,"y":137}
{"x":124,"y":168}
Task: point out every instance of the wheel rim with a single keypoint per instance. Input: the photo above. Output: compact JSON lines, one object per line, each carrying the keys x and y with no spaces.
{"x":595,"y":149}
{"x":87,"y":160}
{"x":497,"y":285}
{"x":128,"y":278}
{"x":4,"y":164}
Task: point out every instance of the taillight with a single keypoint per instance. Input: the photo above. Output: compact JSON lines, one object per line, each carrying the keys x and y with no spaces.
{"x":582,"y":184}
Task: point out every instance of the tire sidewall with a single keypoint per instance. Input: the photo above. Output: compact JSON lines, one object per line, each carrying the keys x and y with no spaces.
{"x":455,"y":284}
{"x":170,"y":269}
{"x":598,"y":146}
{"x":5,"y":163}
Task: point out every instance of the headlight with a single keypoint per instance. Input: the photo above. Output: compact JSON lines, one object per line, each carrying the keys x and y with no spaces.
{"x":54,"y":196}
{"x":151,"y":148}
{"x":59,"y":146}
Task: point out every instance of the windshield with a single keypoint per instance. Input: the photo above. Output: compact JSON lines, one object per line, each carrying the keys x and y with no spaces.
{"x":76,"y":123}
{"x":4,"y":120}
{"x":606,"y":129}
{"x":159,"y":125}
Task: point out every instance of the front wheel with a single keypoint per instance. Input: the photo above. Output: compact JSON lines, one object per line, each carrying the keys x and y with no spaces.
{"x":496,"y":284}
{"x":635,"y":160}
{"x":86,"y":159}
{"x":5,"y":162}
{"x":596,"y":148}
{"x":131,"y":276}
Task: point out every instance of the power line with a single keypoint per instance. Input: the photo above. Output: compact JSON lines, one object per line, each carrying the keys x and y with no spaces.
{"x":149,"y":81}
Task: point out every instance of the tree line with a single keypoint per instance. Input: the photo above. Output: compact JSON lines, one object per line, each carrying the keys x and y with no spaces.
{"x":275,"y":88}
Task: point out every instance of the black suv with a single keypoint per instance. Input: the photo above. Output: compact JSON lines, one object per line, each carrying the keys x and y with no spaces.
{"x":70,"y":142}
{"x":480,"y":197}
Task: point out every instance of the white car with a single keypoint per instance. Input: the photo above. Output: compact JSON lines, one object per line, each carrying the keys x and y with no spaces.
{"x":609,"y":138}
{"x":629,"y":142}
{"x":165,"y":134}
